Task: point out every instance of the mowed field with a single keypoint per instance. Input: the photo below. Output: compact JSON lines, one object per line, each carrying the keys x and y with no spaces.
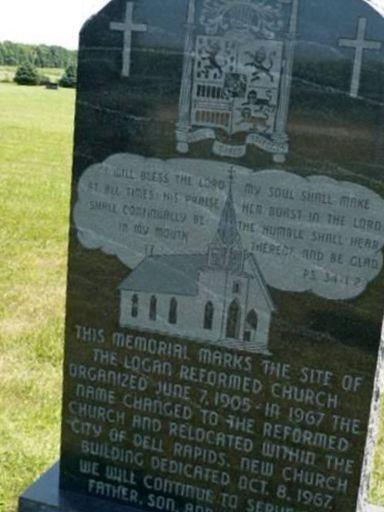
{"x":35,"y":159}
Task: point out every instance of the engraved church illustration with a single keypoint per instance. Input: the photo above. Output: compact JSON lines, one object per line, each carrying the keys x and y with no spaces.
{"x":216,"y":296}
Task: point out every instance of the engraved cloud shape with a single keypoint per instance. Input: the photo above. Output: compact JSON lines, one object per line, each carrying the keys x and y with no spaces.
{"x":307,"y":234}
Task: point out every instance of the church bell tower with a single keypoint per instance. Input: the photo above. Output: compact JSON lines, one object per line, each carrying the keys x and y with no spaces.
{"x":226,"y":251}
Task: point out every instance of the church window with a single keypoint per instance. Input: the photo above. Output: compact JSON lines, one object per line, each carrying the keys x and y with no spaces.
{"x":208,"y":316}
{"x":135,"y":306}
{"x":173,"y":311}
{"x":216,"y":258}
{"x":236,"y":287}
{"x":235,"y":258}
{"x":153,"y":309}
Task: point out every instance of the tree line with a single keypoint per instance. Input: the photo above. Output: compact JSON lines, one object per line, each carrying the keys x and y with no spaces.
{"x":41,"y":56}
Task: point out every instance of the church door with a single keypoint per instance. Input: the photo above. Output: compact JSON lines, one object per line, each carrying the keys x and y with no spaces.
{"x":233,"y":320}
{"x":250,"y":326}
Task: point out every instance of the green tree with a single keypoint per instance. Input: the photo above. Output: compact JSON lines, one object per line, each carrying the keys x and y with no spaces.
{"x":39,"y":55}
{"x":69,"y":79}
{"x":27,"y":74}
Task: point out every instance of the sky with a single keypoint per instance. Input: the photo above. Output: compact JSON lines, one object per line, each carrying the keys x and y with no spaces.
{"x":45,"y":21}
{"x":51,"y":21}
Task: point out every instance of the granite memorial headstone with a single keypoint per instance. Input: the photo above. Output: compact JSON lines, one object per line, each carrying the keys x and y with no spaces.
{"x":225,"y":291}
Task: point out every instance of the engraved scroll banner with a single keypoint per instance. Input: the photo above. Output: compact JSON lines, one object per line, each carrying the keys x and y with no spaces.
{"x":306,"y":233}
{"x":236,"y":150}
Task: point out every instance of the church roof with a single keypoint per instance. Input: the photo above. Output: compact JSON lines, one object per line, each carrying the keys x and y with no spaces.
{"x":256,"y":272}
{"x":175,"y":274}
{"x":178,"y":274}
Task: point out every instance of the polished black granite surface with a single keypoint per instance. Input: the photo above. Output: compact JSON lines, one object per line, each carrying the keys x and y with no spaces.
{"x":44,"y":496}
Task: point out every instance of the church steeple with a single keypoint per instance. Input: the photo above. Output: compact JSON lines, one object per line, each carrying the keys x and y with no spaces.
{"x":227,"y":232}
{"x":226,"y":250}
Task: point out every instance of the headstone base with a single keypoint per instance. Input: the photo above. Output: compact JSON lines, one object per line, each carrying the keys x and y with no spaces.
{"x":44,"y":496}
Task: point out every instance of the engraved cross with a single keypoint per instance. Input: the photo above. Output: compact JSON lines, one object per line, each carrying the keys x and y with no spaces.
{"x":128,"y":27}
{"x":359,"y":44}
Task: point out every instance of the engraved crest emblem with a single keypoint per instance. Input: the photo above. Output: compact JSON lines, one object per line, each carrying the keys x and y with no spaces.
{"x":237,"y":76}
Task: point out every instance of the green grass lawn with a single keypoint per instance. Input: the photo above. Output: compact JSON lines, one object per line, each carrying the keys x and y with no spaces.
{"x":35,"y":158}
